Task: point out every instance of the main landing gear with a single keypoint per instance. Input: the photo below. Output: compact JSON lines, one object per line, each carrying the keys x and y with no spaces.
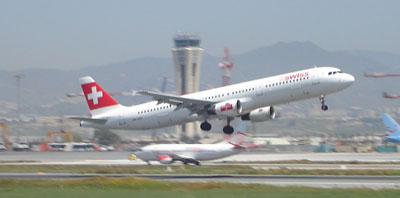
{"x":195,"y":162}
{"x":228,"y":129}
{"x":205,"y":126}
{"x":322,"y":99}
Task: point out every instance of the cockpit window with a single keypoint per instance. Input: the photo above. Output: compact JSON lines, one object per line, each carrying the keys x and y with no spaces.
{"x":334,"y":72}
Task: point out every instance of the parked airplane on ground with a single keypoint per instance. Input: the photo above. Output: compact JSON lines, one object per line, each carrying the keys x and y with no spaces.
{"x":392,"y":129}
{"x":251,"y":100}
{"x":193,"y":153}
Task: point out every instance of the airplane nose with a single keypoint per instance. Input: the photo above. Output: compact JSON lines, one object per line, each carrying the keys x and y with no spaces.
{"x":348,"y":79}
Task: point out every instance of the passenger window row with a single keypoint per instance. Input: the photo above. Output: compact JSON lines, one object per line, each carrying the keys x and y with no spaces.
{"x":286,"y":82}
{"x":155,"y":109}
{"x":232,"y":93}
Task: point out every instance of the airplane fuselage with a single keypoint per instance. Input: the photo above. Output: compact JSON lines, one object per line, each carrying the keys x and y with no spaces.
{"x":270,"y":91}
{"x":200,"y":152}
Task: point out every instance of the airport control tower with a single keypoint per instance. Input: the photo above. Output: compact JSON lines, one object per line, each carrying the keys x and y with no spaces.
{"x":187,"y":58}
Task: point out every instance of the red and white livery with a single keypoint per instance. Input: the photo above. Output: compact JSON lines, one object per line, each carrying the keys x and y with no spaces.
{"x":194,"y":153}
{"x":251,"y":100}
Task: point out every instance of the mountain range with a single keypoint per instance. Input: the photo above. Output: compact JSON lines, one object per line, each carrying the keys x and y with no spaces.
{"x":43,"y":91}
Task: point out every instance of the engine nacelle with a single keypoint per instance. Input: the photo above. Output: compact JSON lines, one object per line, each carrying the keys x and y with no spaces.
{"x":260,"y":115}
{"x":165,"y":159}
{"x":232,"y":108}
{"x":228,"y":108}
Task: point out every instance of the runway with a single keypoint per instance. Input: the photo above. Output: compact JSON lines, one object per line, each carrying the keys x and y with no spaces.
{"x":340,"y":166}
{"x":315,"y":157}
{"x":328,"y":161}
{"x":374,"y":182}
{"x":250,"y":157}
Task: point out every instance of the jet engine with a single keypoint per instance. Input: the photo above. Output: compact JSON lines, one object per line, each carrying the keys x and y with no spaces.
{"x":165,"y":159}
{"x":260,"y":115}
{"x":232,"y":108}
{"x":228,"y":108}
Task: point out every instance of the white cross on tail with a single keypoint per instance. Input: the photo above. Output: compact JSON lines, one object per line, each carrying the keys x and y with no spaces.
{"x":95,"y":95}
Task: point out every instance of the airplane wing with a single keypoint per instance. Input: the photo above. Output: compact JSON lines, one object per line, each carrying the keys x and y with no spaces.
{"x":184,"y":159}
{"x":170,"y":158}
{"x":93,"y":120}
{"x":194,"y":105}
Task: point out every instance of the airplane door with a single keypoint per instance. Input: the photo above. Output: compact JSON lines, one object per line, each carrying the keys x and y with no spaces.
{"x":315,"y":77}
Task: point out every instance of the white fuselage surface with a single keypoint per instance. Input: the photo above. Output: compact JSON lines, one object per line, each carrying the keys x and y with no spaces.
{"x":200,"y":152}
{"x":275,"y":90}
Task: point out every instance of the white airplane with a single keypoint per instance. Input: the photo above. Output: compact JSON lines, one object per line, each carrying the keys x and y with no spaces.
{"x":251,"y":100}
{"x":193,"y":153}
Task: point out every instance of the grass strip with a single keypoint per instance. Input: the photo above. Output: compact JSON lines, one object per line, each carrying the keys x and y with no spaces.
{"x":139,"y":187}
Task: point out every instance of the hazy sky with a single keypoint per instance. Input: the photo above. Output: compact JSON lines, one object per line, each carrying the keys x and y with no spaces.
{"x":77,"y":33}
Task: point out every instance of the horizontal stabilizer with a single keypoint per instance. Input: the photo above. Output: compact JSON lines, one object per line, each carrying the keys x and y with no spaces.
{"x":93,"y":120}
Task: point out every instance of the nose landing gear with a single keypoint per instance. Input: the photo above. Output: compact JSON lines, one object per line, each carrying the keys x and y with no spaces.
{"x":323,"y":106}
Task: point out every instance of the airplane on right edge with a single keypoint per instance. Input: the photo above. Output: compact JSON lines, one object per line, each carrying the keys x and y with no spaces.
{"x":392,"y":129}
{"x":252,"y":100}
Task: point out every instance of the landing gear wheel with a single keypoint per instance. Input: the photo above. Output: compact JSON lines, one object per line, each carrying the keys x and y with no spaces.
{"x":228,"y":129}
{"x":322,"y":99}
{"x":197,"y":163}
{"x":205,"y":126}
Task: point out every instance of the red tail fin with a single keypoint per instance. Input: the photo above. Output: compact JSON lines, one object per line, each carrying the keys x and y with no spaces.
{"x":96,"y":97}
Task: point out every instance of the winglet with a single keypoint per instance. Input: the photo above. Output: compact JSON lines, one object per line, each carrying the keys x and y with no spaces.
{"x":239,"y":136}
